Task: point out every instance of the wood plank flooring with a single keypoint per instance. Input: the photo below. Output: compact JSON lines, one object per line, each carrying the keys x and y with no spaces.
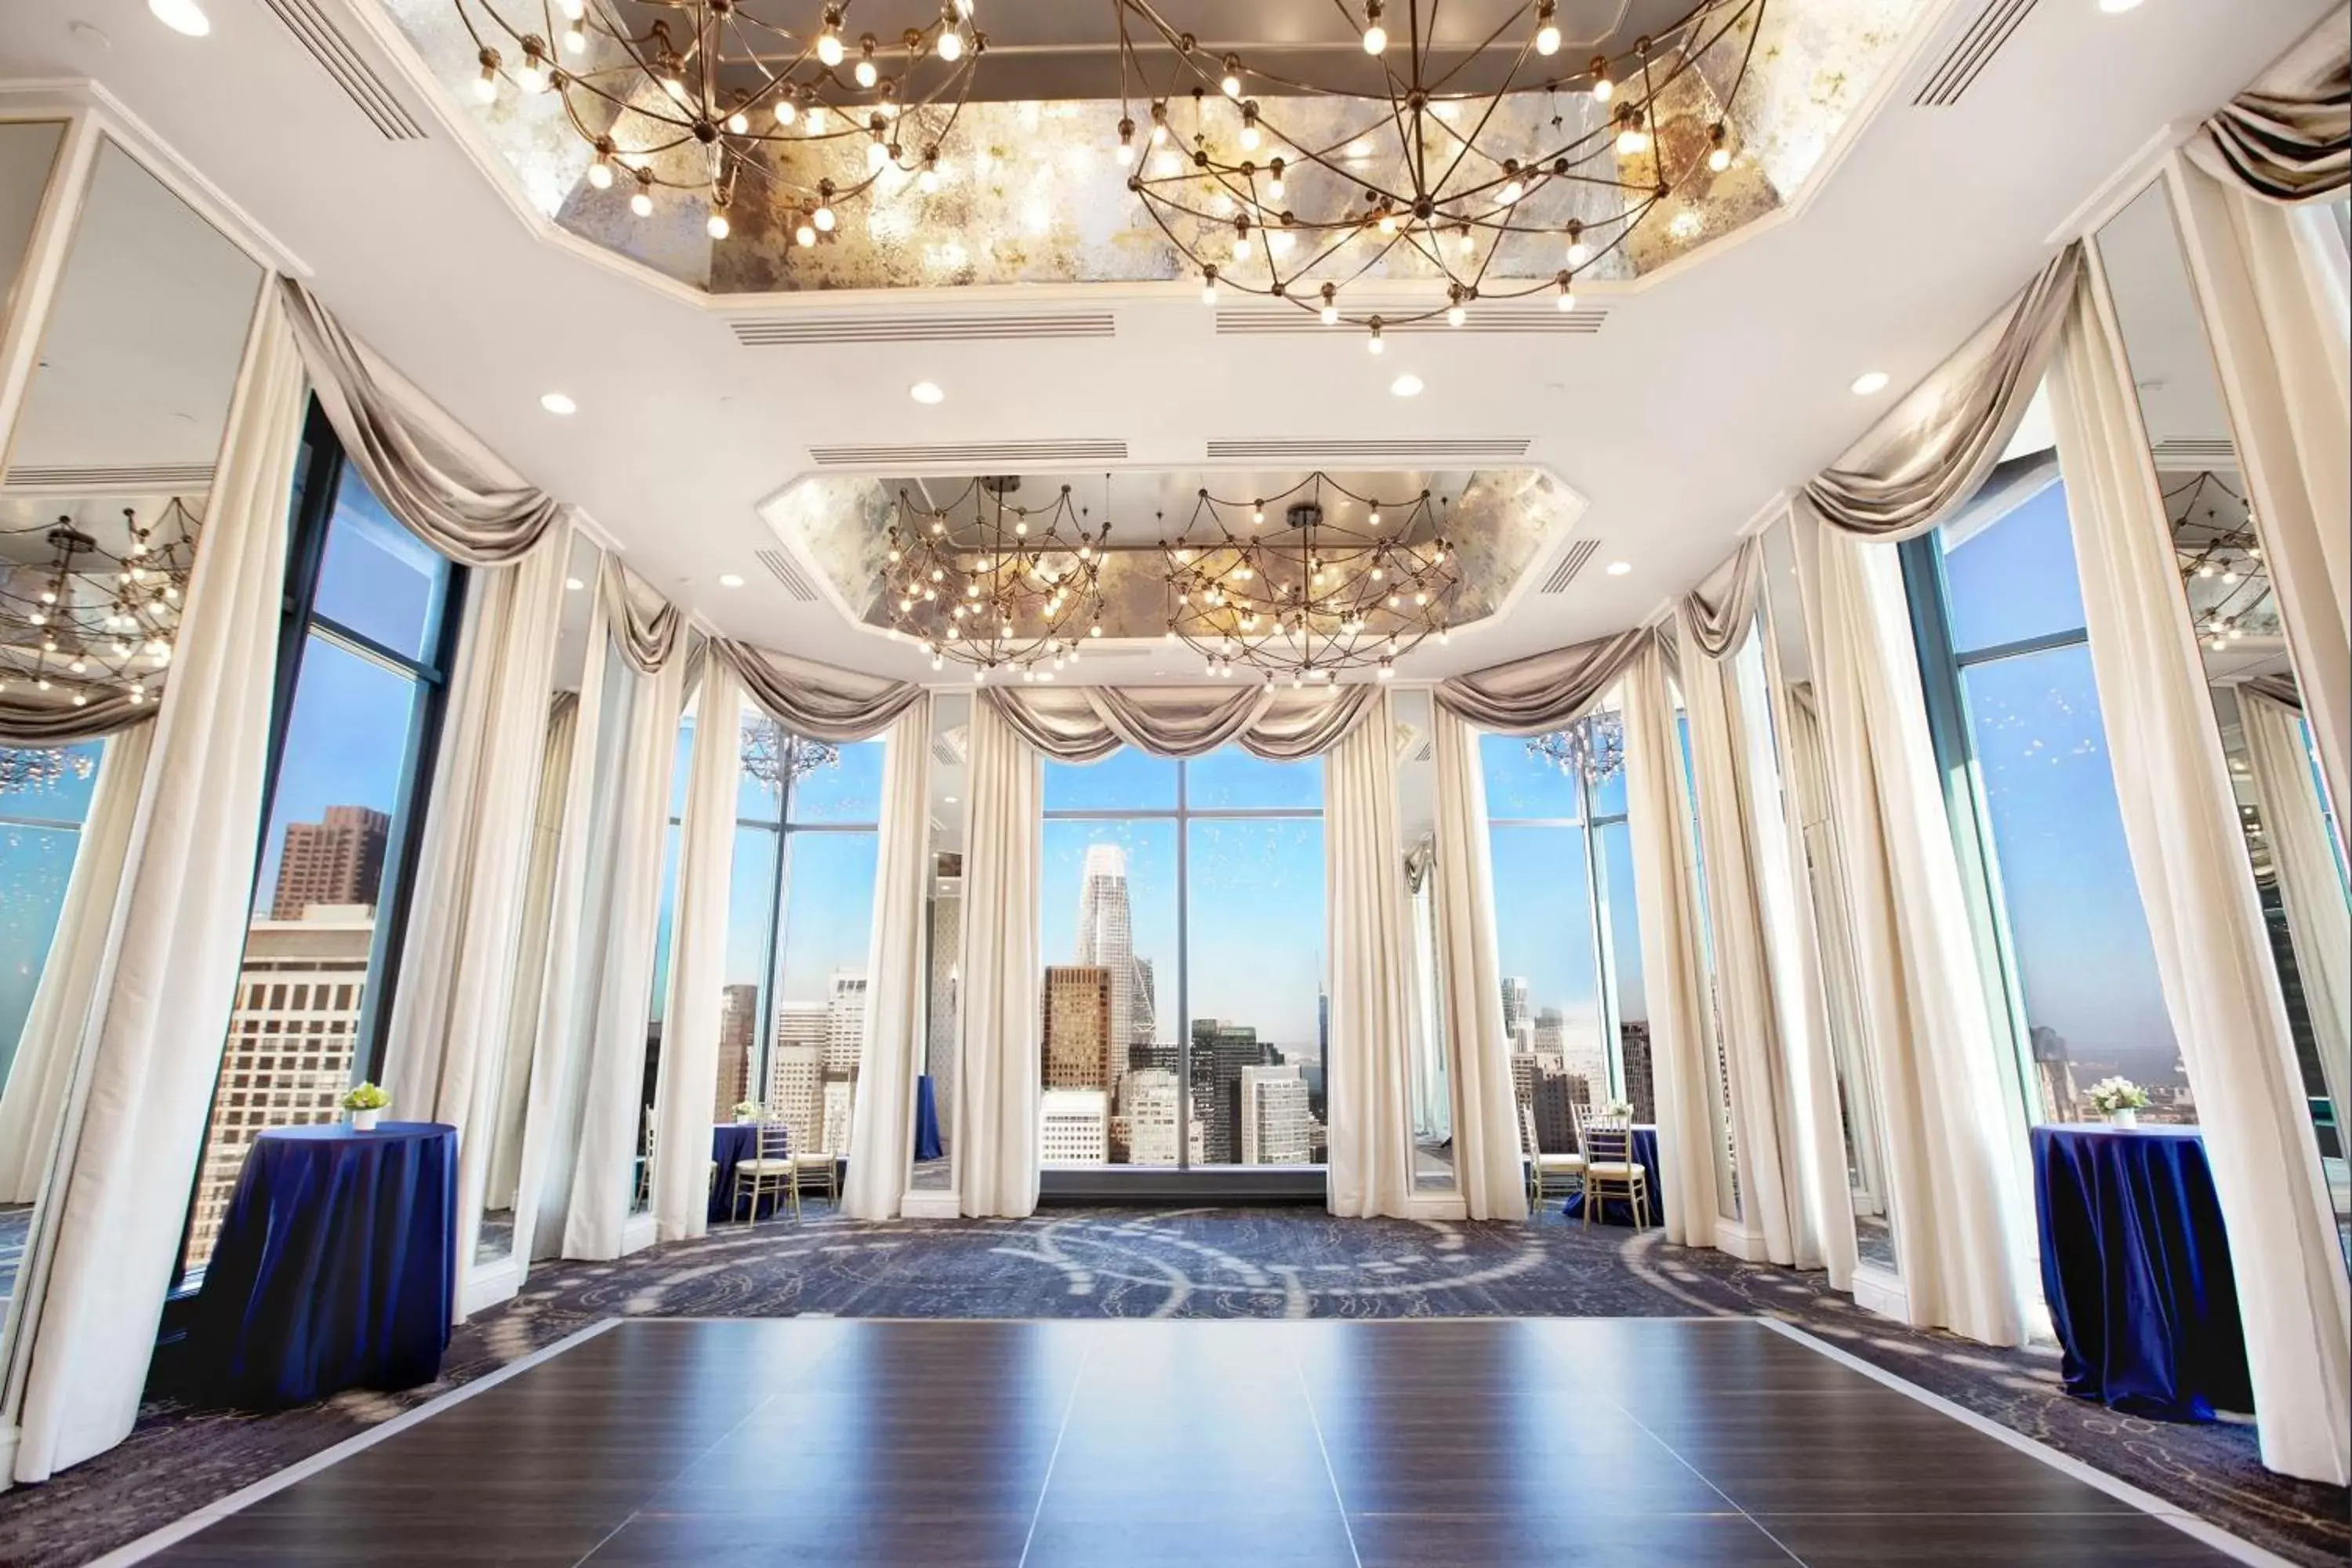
{"x":1153,"y":1444}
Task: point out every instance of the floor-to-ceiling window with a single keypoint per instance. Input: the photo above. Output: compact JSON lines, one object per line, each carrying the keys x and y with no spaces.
{"x":1184,"y":1014}
{"x":2006,"y":662}
{"x":370,"y":620}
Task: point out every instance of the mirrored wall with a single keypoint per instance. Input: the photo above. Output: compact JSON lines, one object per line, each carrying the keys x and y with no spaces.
{"x":934,"y":1156}
{"x":1428,"y":1067}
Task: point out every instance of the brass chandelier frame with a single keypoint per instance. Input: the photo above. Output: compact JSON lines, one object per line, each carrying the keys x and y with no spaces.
{"x":1294,"y":585}
{"x":1010,"y":585}
{"x":88,"y":617}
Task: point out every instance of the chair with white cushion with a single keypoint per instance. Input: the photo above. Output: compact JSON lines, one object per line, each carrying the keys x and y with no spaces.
{"x":1611,"y":1168}
{"x":768,"y":1174}
{"x":816,"y":1171}
{"x":1547,"y":1173}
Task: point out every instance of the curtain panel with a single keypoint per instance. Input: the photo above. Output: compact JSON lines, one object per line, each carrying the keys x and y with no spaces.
{"x":2204,"y":916}
{"x":167,"y":976}
{"x":33,"y":1102}
{"x":457,"y":963}
{"x":526,"y":1001}
{"x":882,"y":1116}
{"x":1718,"y":615}
{"x":645,"y":626}
{"x":997,"y":1079}
{"x":817,"y":702}
{"x":1088,"y":723}
{"x":2288,"y":137}
{"x":1486,"y":1135}
{"x":1545,"y":691}
{"x":452,"y":499}
{"x":1371,"y":1091}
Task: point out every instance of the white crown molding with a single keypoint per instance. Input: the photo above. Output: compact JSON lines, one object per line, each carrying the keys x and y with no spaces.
{"x":2119,"y":189}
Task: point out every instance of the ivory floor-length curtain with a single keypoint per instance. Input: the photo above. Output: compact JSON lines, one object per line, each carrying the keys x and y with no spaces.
{"x":526,"y":1002}
{"x":1371,"y":1091}
{"x":42,"y":1069}
{"x":2310,"y":881}
{"x":1955,"y":1167}
{"x":2271,"y":287}
{"x":686,"y":1084}
{"x":1673,"y":976}
{"x":620,"y":970}
{"x":2204,"y":917}
{"x":444,"y":1050}
{"x":996,"y":1084}
{"x":1486,"y":1115}
{"x":151,"y":1049}
{"x":1769,"y":1195}
{"x":882,"y":1118}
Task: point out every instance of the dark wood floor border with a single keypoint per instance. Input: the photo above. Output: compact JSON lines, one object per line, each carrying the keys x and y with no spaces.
{"x":2202,"y":1530}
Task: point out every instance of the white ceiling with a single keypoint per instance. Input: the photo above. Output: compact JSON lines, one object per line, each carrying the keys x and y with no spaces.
{"x":1710,"y":388}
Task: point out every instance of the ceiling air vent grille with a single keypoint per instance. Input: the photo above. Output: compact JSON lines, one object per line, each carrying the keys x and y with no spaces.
{"x":987,"y":457}
{"x":1972,"y":52}
{"x":339,"y":60}
{"x":2196,"y":452}
{"x":152,"y":477}
{"x":1515,"y":316}
{"x":1435,"y":451}
{"x":1580,"y":552}
{"x":781,"y":567}
{"x":946,"y":747}
{"x":806,"y":327}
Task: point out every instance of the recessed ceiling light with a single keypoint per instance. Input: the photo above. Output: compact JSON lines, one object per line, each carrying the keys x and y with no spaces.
{"x":574,"y":584}
{"x":558,"y":403}
{"x":2117,"y":8}
{"x":1868,"y":382}
{"x":927,"y":392}
{"x":1618,"y":568}
{"x":950,"y":799}
{"x":731,"y":580}
{"x":1406,"y":385}
{"x":181,"y":16}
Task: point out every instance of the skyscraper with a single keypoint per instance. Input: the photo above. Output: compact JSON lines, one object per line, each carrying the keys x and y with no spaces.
{"x":1515,"y":1021}
{"x":1641,"y":1088}
{"x":1106,"y":933}
{"x":1073,"y":1127}
{"x":845,"y":1022}
{"x":1144,"y":1024}
{"x":796,"y":1093}
{"x":1077,"y":1027}
{"x":339,"y":860}
{"x":1220,"y":1052}
{"x":1146,"y":1099}
{"x":736,"y":1016}
{"x":1273,"y":1116}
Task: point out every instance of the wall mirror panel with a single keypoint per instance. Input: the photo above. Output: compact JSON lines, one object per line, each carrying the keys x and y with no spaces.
{"x":1712,"y":1048}
{"x":103,"y":501}
{"x":2294,"y":846}
{"x":1829,"y":945}
{"x":1430,"y":1066}
{"x":934,"y":1169}
{"x":508,"y":1088}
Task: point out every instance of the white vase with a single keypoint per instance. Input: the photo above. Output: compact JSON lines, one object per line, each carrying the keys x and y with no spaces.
{"x":364,"y":1121}
{"x":2124,"y":1116}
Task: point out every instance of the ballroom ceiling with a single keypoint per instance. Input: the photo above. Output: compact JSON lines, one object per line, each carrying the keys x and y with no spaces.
{"x":1669,"y":409}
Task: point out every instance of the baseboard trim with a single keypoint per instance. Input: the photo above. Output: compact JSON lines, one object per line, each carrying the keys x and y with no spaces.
{"x":1877,"y":1290}
{"x":487,"y":1284}
{"x":931,"y":1203}
{"x":1737,"y":1239}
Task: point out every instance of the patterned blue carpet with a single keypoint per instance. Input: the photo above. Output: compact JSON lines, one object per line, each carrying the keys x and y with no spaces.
{"x":1140,"y":1263}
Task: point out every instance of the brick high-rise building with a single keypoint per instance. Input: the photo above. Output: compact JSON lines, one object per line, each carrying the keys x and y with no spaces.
{"x":737,"y":1017}
{"x":1078,"y":1031}
{"x":1641,"y":1088}
{"x":337,"y":861}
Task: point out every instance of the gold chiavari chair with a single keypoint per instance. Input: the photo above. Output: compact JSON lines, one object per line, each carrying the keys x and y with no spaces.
{"x":1611,"y":1168}
{"x":1560,"y":1172}
{"x":768,"y":1174}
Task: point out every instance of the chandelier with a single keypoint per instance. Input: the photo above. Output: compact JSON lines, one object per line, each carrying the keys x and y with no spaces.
{"x":2220,"y":555}
{"x":31,"y":770}
{"x":1593,"y":749}
{"x":728,"y":91}
{"x":1299,"y":190}
{"x":91,"y":618}
{"x":776,"y":757}
{"x":1316,"y":592}
{"x":1009,"y":584}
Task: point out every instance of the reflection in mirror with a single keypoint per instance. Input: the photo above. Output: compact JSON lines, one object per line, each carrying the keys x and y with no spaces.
{"x":943,"y":941}
{"x":509,"y":1086}
{"x":1431,"y":1082}
{"x":101,"y":502}
{"x":2285,"y":820}
{"x":690,"y":724}
{"x":1718,"y":1070}
{"x":1805,"y":779}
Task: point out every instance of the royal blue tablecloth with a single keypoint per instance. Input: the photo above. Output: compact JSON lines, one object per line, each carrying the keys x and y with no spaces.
{"x":1617,"y":1211}
{"x":927,"y":1119}
{"x":732,"y":1143}
{"x":2135,"y":1265}
{"x":335,"y":1267}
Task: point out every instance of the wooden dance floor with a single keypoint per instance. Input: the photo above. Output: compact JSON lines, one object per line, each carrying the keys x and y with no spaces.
{"x":1633,"y":1443}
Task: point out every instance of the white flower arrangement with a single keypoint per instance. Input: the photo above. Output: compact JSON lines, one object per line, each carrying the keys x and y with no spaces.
{"x":748,"y":1109}
{"x":1617,"y":1108}
{"x":2110,"y":1095}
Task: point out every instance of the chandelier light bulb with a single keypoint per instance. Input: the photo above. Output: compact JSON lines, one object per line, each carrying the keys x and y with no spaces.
{"x":928,"y":180}
{"x":738,"y":123}
{"x":829,"y":52}
{"x":950,"y":45}
{"x":1208,"y":286}
{"x":717,"y":225}
{"x":600,"y":172}
{"x":1512,"y":191}
{"x":574,"y":41}
{"x":804,"y":235}
{"x":642,"y":204}
{"x":1455,"y":315}
{"x":485,"y":85}
{"x":1376,"y":343}
{"x":876,"y":155}
{"x":866,"y":72}
{"x":1464,"y":242}
{"x":573,"y":9}
{"x":1567,"y":301}
{"x":1603,"y":89}
{"x":1230,"y":85}
{"x":2230,"y":576}
{"x":815,"y":117}
{"x":1632,"y":141}
{"x":1249,"y":136}
{"x":1546,"y":29}
{"x":787,"y":111}
{"x":824,"y":220}
{"x":1376,"y":38}
{"x":1330,"y":312}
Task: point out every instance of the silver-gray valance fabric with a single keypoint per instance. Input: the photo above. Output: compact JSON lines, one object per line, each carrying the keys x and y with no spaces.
{"x":1088,"y":723}
{"x":646,"y":626}
{"x":1933,"y":450}
{"x":25,"y":720}
{"x":1718,"y":613}
{"x":2288,"y":137}
{"x":446,"y":496}
{"x":2280,"y":688}
{"x":1544,"y":692}
{"x":815,"y":701}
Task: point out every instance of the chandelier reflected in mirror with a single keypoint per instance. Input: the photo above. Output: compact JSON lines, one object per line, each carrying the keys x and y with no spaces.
{"x":1310,"y":583}
{"x":1408,"y":167}
{"x":1593,"y":749}
{"x":98,"y":616}
{"x":987,"y":582}
{"x":691,"y":94}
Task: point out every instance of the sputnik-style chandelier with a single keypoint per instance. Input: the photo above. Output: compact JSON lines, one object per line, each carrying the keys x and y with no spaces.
{"x":731,"y":87}
{"x":2219,"y":553}
{"x":989,"y":583}
{"x":1309,"y":583}
{"x":1276,"y":185}
{"x":1593,"y":749}
{"x":91,"y":619}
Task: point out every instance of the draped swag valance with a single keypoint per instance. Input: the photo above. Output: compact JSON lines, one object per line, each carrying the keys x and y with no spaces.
{"x":645,"y":627}
{"x":1545,"y":691}
{"x":1088,"y":723}
{"x":2288,"y":137}
{"x":816,"y":701}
